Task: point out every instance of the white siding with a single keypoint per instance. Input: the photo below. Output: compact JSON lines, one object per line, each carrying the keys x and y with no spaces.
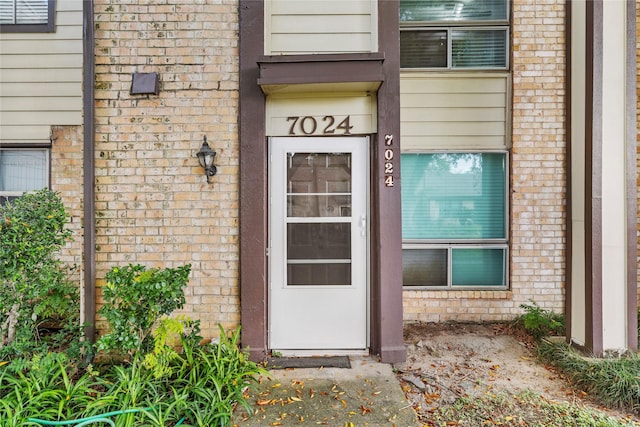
{"x":320,"y":26}
{"x":454,"y":111}
{"x":41,"y":78}
{"x":360,"y":108}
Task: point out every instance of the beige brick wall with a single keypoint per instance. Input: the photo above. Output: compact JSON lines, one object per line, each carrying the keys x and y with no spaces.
{"x":66,"y":179}
{"x":538,"y":179}
{"x":154,"y":205}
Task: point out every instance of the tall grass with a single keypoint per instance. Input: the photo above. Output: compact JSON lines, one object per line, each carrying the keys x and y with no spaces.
{"x":614,"y":381}
{"x":522,"y":409}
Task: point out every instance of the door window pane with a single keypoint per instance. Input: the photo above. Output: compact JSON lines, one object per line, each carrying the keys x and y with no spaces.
{"x":319,"y":249}
{"x":318,"y":184}
{"x":318,"y":274}
{"x":478,"y":267}
{"x":319,"y":241}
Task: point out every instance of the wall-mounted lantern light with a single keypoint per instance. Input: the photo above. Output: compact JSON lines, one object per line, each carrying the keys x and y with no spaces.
{"x":206,"y":156}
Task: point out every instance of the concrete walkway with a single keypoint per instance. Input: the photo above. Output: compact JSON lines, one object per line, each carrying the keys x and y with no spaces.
{"x":367,"y":394}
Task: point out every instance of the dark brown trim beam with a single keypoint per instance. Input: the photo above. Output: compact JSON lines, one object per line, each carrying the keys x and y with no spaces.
{"x":26,"y":144}
{"x":593,"y":177}
{"x":386,"y":246}
{"x":569,"y":174}
{"x":253,"y":185}
{"x":88,"y":166}
{"x":299,"y":69}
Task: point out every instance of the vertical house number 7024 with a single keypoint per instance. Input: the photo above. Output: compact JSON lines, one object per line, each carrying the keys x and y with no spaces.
{"x":388,"y":160}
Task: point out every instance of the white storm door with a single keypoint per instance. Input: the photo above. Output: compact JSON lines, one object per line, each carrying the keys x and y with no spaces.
{"x":318,"y":244}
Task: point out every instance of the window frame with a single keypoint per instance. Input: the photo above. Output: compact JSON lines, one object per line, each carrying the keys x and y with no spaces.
{"x":467,"y":25}
{"x":49,"y":27}
{"x":449,"y":244}
{"x":9,"y":195}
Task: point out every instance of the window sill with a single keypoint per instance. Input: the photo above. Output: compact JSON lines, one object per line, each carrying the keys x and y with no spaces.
{"x":466,"y":293}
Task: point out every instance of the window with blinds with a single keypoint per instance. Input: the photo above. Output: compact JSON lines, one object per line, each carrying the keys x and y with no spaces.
{"x":22,"y":170}
{"x":450,"y":34}
{"x":27,"y":15}
{"x":454,"y":219}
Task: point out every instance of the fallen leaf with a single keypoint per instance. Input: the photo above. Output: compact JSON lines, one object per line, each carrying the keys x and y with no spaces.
{"x":365,"y":410}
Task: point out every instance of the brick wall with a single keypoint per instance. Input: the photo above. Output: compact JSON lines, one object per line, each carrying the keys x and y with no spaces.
{"x":538,"y":179}
{"x":538,"y":224}
{"x":154,"y":205}
{"x":66,"y":179}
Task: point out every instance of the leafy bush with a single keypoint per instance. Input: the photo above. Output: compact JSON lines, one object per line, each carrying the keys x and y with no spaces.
{"x":35,"y":291}
{"x":539,"y":322}
{"x":135,"y":300}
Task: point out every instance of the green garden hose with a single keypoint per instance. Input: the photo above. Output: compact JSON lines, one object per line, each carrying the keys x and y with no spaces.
{"x":102,"y":418}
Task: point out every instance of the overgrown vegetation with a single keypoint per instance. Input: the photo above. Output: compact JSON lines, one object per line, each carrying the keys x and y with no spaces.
{"x":204,"y":384}
{"x":163,"y":377}
{"x":524,"y":409}
{"x":39,"y":306}
{"x":614,"y":381}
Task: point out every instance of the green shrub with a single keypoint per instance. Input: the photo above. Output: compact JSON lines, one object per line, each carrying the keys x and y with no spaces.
{"x":36,"y":295}
{"x":135,"y":300}
{"x":539,"y":322}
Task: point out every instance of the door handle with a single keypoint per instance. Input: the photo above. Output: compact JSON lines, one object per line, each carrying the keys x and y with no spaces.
{"x":363,"y":225}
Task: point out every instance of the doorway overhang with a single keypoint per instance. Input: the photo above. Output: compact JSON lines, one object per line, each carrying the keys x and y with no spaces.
{"x":321,"y":73}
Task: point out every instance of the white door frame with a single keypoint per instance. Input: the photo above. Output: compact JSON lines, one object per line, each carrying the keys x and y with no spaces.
{"x":323,"y":319}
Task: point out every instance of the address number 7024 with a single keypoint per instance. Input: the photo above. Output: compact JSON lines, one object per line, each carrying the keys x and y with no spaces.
{"x":325,"y":125}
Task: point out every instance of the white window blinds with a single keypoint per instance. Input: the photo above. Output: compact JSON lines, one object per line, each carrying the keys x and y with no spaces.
{"x":24,"y":12}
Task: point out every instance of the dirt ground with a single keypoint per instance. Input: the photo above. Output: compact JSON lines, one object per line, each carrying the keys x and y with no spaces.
{"x":446,"y":361}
